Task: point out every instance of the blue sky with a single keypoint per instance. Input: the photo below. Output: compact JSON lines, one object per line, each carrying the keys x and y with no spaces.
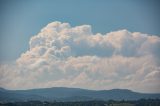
{"x":22,"y":19}
{"x":37,"y":49}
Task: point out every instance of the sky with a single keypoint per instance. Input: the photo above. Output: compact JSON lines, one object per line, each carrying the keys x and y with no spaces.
{"x":93,"y":44}
{"x":22,"y":19}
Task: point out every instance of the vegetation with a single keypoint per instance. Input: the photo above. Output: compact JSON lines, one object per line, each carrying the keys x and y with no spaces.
{"x":141,"y":102}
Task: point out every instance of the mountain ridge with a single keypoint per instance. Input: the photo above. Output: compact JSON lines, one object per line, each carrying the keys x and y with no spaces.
{"x":72,"y":94}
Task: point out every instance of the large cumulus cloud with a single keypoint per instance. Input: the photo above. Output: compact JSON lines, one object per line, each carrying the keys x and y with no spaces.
{"x":61,"y":55}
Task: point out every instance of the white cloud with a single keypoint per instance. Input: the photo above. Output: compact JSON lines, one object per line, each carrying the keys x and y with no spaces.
{"x":61,"y":55}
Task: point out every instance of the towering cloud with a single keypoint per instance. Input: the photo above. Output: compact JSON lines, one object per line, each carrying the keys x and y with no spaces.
{"x":61,"y":55}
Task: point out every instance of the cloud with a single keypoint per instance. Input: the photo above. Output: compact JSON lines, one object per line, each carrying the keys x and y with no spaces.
{"x":61,"y":55}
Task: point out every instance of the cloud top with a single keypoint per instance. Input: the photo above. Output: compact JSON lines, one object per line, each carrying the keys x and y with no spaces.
{"x":61,"y":55}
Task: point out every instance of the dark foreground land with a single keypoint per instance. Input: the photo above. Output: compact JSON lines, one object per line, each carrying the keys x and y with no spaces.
{"x":141,"y":102}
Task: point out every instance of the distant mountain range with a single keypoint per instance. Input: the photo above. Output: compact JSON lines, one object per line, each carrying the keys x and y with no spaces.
{"x":71,"y":94}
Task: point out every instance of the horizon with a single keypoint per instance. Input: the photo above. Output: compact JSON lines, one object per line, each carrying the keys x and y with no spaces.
{"x":98,"y":45}
{"x":79,"y":89}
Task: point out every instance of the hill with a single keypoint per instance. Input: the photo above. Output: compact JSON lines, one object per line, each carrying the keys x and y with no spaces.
{"x":72,"y":94}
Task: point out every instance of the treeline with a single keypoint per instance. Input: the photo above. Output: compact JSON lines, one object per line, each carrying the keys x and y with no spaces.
{"x":38,"y":103}
{"x":141,"y":102}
